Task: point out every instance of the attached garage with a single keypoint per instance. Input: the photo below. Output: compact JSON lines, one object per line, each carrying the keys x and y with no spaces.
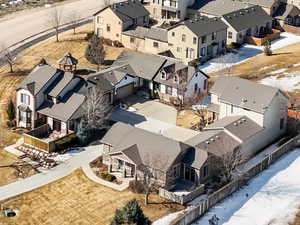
{"x":125,"y":91}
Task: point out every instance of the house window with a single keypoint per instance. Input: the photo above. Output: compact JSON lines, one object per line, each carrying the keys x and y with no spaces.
{"x":183,"y":38}
{"x":175,"y":78}
{"x":281,"y":123}
{"x":99,"y":32}
{"x":163,"y":75}
{"x":169,"y":90}
{"x":117,"y":35}
{"x":132,"y":39}
{"x":205,"y":171}
{"x":49,"y":98}
{"x":178,"y":13}
{"x":175,"y":171}
{"x":108,"y":27}
{"x":145,"y":19}
{"x":25,"y":99}
{"x":194,"y":40}
{"x":229,"y":34}
{"x":173,"y":34}
{"x":119,"y":22}
{"x":155,"y":44}
{"x":223,"y":44}
{"x":196,"y":87}
{"x":203,"y":39}
{"x":203,"y":50}
{"x":179,"y":49}
{"x":213,"y":36}
{"x":205,"y":85}
{"x":153,"y":1}
{"x":232,"y":107}
{"x":100,"y":20}
{"x":240,"y":35}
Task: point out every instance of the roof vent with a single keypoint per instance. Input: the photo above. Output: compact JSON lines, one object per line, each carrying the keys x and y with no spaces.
{"x":244,"y":100}
{"x":240,"y":121}
{"x":212,"y":139}
{"x":235,"y":15}
{"x":235,"y":124}
{"x":247,"y":11}
{"x":244,"y":120}
{"x":253,"y":9}
{"x":207,"y":142}
{"x":241,"y":13}
{"x":217,"y":137}
{"x":216,"y":19}
{"x":125,"y":68}
{"x":95,"y":78}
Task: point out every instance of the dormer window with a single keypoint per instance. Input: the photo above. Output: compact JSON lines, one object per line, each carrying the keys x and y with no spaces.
{"x":176,"y":79}
{"x":163,"y":75}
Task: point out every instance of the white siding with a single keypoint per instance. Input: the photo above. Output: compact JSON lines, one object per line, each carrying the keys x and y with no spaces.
{"x":198,"y":78}
{"x":126,"y":80}
{"x":31,"y":106}
{"x":50,"y":122}
{"x":163,"y":88}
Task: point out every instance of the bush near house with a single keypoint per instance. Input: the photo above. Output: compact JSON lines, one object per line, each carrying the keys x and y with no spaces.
{"x":108,"y":177}
{"x":267,"y":48}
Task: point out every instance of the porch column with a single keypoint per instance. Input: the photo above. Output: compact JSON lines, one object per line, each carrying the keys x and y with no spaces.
{"x":124,"y":170}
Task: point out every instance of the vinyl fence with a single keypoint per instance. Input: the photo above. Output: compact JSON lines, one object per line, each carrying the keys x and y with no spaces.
{"x":195,"y":212}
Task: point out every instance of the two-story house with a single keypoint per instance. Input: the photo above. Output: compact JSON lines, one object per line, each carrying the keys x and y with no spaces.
{"x":201,"y":38}
{"x":269,"y":6}
{"x":165,"y":76}
{"x":244,"y":23}
{"x":49,"y":96}
{"x":112,"y":20}
{"x":169,"y":9}
{"x":265,"y":105}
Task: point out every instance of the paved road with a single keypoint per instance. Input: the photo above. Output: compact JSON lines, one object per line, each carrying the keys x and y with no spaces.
{"x":29,"y":23}
{"x":60,"y":171}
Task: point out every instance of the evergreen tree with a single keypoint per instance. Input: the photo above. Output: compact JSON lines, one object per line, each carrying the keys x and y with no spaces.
{"x":132,"y":214}
{"x":95,"y":52}
{"x":267,"y":48}
{"x":11,"y":113}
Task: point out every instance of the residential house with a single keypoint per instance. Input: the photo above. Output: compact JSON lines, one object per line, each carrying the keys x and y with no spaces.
{"x":215,"y":8}
{"x":112,"y":20}
{"x":294,"y":2}
{"x":197,"y":39}
{"x":269,"y":6}
{"x":142,"y":39}
{"x":49,"y":96}
{"x":266,"y":106}
{"x":168,"y":77}
{"x":287,"y":14}
{"x":128,"y":150}
{"x":169,"y":9}
{"x":244,"y":23}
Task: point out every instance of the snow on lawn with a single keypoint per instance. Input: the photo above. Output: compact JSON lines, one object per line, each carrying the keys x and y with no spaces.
{"x":278,"y":71}
{"x":246,"y":52}
{"x":289,"y":82}
{"x":273,"y":197}
{"x":167,"y":219}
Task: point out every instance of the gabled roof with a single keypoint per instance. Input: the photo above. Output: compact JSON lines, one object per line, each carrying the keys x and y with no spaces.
{"x":202,"y":25}
{"x":262,"y":3}
{"x":127,"y":10}
{"x":216,"y":142}
{"x":284,"y":10}
{"x":39,"y":77}
{"x":151,"y":33}
{"x":143,"y":65}
{"x":144,"y":147}
{"x":244,"y":93}
{"x":241,"y":127}
{"x":247,"y":18}
{"x":60,"y":83}
{"x":218,"y":7}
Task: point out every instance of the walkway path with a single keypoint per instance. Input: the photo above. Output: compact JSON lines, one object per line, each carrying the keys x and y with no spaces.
{"x":77,"y":161}
{"x":91,"y":175}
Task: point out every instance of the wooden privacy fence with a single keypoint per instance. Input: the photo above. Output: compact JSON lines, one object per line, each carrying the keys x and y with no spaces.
{"x":181,"y":199}
{"x":196,"y":211}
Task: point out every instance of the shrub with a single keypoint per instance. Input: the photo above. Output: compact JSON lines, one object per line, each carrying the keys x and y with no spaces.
{"x":109,"y":177}
{"x":117,"y":44}
{"x":267,"y":48}
{"x":89,"y":36}
{"x":11,"y":113}
{"x":234,"y":45}
{"x":67,"y":142}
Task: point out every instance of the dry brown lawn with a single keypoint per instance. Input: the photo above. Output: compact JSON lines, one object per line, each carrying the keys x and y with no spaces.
{"x":187,"y":118}
{"x":77,"y":200}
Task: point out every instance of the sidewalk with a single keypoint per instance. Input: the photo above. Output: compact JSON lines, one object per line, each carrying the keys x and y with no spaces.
{"x":92,"y":176}
{"x":89,"y":154}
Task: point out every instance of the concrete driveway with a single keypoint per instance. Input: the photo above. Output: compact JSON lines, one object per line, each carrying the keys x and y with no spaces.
{"x":153,"y":109}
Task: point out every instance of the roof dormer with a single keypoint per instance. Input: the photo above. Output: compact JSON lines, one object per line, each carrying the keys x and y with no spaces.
{"x":163,"y":75}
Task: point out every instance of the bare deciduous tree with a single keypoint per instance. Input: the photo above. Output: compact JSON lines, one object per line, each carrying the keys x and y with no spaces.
{"x":22,"y":169}
{"x":7,"y":56}
{"x":54,"y":19}
{"x":203,"y":121}
{"x":74,"y":20}
{"x":97,"y":108}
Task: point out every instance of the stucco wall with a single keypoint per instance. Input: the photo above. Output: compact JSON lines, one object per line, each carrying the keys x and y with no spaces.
{"x":31,"y":106}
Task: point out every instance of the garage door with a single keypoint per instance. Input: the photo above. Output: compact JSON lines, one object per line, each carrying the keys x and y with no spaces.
{"x":124,"y":91}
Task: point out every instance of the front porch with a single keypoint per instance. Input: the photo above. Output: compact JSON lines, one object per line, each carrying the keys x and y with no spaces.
{"x":120,"y":167}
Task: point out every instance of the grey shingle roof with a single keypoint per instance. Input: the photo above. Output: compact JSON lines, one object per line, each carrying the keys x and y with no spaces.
{"x":65,"y":109}
{"x":203,"y":25}
{"x":244,"y":93}
{"x":216,"y":142}
{"x":247,"y":18}
{"x":38,"y":78}
{"x":285,"y":10}
{"x":144,"y":147}
{"x":143,"y":65}
{"x":221,"y":7}
{"x":151,"y":33}
{"x":61,"y":82}
{"x":262,"y":3}
{"x":240,"y":126}
{"x":127,"y":10}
